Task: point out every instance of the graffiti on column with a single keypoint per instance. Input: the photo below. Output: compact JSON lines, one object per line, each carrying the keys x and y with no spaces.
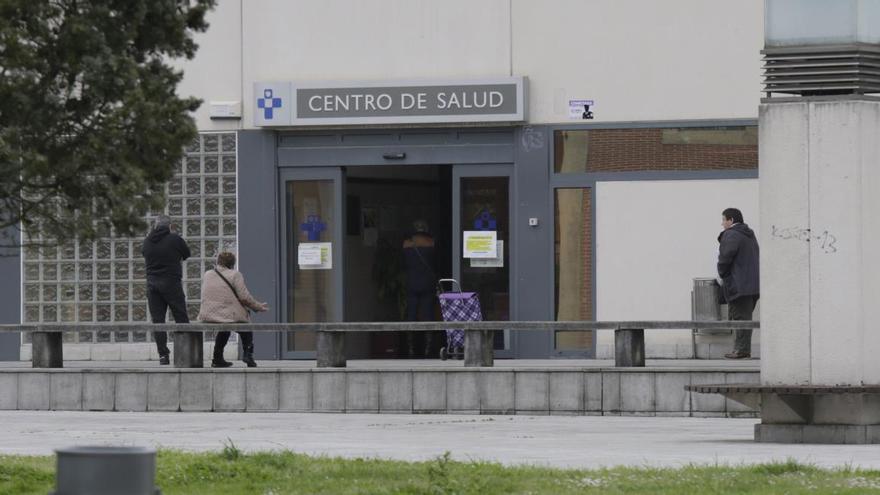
{"x":826,"y":241}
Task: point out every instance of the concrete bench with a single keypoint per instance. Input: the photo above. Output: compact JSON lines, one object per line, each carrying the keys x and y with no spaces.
{"x":839,"y":414}
{"x":629,"y":336}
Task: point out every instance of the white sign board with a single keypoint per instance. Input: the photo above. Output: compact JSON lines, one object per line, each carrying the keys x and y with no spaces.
{"x":315,"y":256}
{"x":580,"y":109}
{"x":480,"y":244}
{"x":497,"y":262}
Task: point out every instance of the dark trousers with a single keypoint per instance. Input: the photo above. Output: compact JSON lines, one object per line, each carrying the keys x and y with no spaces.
{"x":741,"y":309}
{"x":247,"y":342}
{"x":419,"y":307}
{"x":164,"y":293}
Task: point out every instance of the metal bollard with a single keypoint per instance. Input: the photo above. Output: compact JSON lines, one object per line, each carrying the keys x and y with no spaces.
{"x":105,"y":470}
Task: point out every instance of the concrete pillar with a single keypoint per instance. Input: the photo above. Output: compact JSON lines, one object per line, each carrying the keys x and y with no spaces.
{"x":188,"y":349}
{"x":331,"y":350}
{"x":629,"y":347}
{"x":478,"y":348}
{"x":820,"y":283}
{"x":47,"y":350}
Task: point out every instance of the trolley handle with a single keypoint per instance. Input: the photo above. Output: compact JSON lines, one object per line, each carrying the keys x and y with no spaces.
{"x":453,"y":284}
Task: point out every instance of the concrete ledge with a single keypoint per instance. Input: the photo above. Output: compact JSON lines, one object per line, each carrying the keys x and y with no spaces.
{"x":818,"y":434}
{"x":559,"y":391}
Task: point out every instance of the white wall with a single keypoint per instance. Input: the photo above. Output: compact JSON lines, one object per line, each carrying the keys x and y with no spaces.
{"x":652,"y":239}
{"x":638,"y":59}
{"x":214,"y":74}
{"x":345,"y":40}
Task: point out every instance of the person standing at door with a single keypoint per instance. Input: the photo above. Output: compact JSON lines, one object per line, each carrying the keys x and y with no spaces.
{"x":163,"y":250}
{"x":226,"y":299}
{"x":738,"y":269}
{"x":420,"y":263}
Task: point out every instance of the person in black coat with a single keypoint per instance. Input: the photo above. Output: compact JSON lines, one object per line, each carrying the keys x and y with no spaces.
{"x":163,"y":251}
{"x":739,"y":272}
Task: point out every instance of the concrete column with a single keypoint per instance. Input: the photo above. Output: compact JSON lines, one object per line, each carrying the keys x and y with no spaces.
{"x":629,"y":347}
{"x":820,"y":284}
{"x":188,"y":349}
{"x":478,"y":349}
{"x":47,"y":350}
{"x":331,"y":350}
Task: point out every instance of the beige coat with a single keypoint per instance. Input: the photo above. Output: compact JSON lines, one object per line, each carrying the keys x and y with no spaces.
{"x":219,"y":305}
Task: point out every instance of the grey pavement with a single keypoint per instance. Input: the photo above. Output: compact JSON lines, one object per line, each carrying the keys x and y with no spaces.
{"x":561,"y":441}
{"x":688,"y":364}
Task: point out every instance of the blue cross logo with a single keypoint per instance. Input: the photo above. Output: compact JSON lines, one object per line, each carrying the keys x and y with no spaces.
{"x":485,"y":221}
{"x":268,"y":103}
{"x":313,"y":227}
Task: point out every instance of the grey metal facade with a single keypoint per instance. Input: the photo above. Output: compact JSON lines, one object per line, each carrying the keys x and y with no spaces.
{"x":527,"y":150}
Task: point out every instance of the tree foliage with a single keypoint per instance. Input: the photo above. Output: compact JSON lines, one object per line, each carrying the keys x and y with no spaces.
{"x":91,"y":126}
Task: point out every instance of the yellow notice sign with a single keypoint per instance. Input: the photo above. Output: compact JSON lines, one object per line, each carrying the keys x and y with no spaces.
{"x":480,"y":244}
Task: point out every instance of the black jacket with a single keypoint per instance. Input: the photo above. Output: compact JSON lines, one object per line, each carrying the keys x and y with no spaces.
{"x":163,"y":251}
{"x":738,"y":262}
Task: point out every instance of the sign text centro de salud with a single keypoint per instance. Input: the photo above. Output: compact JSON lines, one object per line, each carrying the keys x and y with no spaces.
{"x":299,"y":104}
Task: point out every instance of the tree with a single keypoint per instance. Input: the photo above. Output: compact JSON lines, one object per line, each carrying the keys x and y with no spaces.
{"x":91,"y":127}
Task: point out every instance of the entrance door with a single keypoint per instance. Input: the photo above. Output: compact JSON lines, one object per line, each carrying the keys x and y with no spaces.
{"x":311,"y":209}
{"x":481,"y":198}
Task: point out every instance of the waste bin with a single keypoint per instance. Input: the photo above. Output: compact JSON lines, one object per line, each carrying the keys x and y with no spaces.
{"x":105,"y":470}
{"x":705,"y":305}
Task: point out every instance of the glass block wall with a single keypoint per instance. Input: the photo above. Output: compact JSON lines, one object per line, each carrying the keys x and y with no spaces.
{"x":104,"y":281}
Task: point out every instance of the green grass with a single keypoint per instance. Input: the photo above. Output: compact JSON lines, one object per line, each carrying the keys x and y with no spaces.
{"x":230,"y":471}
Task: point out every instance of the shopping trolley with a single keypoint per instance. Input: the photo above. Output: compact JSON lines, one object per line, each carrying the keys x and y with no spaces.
{"x":456,"y":305}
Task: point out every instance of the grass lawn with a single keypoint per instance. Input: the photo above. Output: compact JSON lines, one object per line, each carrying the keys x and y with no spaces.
{"x":233,"y":472}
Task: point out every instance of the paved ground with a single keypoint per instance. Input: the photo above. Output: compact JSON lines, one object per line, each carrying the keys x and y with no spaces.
{"x":689,"y":364}
{"x":547,"y":440}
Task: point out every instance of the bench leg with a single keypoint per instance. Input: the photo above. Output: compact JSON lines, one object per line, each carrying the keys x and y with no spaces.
{"x":331,"y":350}
{"x":629,"y":347}
{"x":46,"y":351}
{"x":189,"y":349}
{"x":478,"y":349}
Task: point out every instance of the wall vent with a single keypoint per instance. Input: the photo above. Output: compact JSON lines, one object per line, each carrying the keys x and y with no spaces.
{"x":818,"y":70}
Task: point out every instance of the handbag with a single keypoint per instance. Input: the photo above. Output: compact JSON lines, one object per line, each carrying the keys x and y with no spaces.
{"x":234,"y":292}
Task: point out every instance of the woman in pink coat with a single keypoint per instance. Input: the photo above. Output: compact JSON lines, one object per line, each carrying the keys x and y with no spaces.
{"x":226,"y":299}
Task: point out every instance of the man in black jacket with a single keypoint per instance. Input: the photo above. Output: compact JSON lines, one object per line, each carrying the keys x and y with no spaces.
{"x":163,"y":251}
{"x":738,"y":269}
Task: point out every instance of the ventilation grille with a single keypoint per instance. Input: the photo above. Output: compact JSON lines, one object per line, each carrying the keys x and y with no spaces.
{"x":822,"y":70}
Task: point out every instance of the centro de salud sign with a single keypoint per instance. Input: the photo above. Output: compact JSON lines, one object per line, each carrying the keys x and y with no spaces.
{"x":300,"y":104}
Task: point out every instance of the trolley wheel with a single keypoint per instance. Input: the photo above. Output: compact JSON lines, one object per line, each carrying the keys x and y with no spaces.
{"x":443,"y":355}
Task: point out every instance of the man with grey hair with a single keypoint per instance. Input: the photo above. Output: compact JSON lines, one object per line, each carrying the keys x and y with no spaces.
{"x":163,"y":251}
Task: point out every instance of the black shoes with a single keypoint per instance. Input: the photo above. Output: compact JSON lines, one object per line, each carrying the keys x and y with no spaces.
{"x":164,"y":359}
{"x":220,"y":363}
{"x":737,"y":355}
{"x":248,"y":357}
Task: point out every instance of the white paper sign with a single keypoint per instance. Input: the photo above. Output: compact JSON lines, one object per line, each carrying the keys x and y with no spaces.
{"x":480,"y":244}
{"x":580,"y":109}
{"x":497,"y":262}
{"x":315,"y":256}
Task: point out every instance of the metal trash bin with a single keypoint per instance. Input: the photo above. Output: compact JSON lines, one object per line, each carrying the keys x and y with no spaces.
{"x":106,"y":470}
{"x":705,"y":304}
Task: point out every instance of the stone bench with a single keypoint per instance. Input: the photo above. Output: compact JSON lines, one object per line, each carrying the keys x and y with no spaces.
{"x":838,"y":414}
{"x":629,"y":336}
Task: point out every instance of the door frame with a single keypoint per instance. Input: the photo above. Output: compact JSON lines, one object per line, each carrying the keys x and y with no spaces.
{"x":292,"y":174}
{"x":460,"y":171}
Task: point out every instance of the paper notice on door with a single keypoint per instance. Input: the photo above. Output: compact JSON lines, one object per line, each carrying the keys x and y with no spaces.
{"x":497,"y":262}
{"x":480,"y":244}
{"x":315,"y":256}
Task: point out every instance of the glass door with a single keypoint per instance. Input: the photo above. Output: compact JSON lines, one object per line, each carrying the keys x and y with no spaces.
{"x":482,"y":216}
{"x":311,"y":262}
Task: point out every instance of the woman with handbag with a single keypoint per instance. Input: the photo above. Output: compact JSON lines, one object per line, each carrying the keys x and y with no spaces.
{"x":226,"y":299}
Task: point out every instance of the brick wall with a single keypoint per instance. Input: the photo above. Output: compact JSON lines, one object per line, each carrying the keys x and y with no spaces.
{"x":631,"y":150}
